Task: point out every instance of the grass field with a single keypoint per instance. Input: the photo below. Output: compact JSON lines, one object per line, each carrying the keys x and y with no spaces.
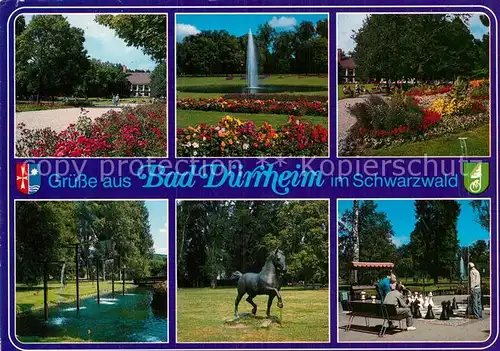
{"x":191,"y":117}
{"x":31,"y":298}
{"x":477,"y":145}
{"x":201,"y":314}
{"x":272,"y":80}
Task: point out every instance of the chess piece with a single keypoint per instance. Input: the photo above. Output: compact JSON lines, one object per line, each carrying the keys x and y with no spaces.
{"x":449,"y":309}
{"x":426,"y":302}
{"x":431,"y":302}
{"x":420,"y":299}
{"x":430,"y":313}
{"x":454,"y":304}
{"x":373,"y":299}
{"x":363,"y":296}
{"x":444,"y":313}
{"x":416,"y":307}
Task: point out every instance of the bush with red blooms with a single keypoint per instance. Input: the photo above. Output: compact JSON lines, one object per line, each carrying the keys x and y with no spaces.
{"x":272,"y":106}
{"x":428,"y":91}
{"x":232,"y":137}
{"x":139,"y":131}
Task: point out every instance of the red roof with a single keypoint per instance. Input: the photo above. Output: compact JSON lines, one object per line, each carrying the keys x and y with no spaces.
{"x":347,"y":63}
{"x":372,"y":265}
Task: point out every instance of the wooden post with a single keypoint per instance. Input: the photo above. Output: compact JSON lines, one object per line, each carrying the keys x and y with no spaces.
{"x":77,"y":277}
{"x":123,"y":282}
{"x":45,"y":292}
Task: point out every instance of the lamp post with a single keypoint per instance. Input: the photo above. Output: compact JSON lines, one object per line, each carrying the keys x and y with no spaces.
{"x":123,"y":281}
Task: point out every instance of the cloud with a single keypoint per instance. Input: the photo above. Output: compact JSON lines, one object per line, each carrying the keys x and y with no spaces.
{"x":183,"y":30}
{"x":401,"y":240}
{"x":161,"y":250}
{"x":346,"y":24}
{"x":282,"y":22}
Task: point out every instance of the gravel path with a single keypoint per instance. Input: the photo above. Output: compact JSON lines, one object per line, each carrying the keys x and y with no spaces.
{"x":344,"y":119}
{"x":58,"y":119}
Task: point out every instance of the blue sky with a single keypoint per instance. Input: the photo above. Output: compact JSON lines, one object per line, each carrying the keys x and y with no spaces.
{"x":346,"y":23}
{"x":239,"y":24}
{"x":401,"y":214}
{"x":158,"y":213}
{"x":102,"y":43}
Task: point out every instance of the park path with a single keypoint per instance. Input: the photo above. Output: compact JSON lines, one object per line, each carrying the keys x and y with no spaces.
{"x":344,"y":119}
{"x":473,"y":331}
{"x":58,"y":119}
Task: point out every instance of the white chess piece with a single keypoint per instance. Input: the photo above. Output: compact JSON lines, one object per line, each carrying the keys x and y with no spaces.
{"x":430,"y":299}
{"x":373,"y":299}
{"x":421,"y":299}
{"x":426,"y":302}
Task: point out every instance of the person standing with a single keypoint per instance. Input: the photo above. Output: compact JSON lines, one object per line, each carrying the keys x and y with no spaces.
{"x":395,"y":297}
{"x":475,"y":308}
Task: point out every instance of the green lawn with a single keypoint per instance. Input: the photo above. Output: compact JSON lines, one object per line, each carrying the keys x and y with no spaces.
{"x":201,"y":316}
{"x":340,"y":93}
{"x":477,"y":145}
{"x":185,"y":94}
{"x":31,"y":298}
{"x":273,"y":80}
{"x":192,"y":117}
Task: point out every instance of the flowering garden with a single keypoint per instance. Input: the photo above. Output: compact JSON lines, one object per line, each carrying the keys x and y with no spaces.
{"x":218,"y":123}
{"x":138,"y":131}
{"x":422,"y":113}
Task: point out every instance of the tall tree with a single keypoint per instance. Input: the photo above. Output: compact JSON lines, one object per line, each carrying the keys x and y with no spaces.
{"x":147,"y":32}
{"x":434,"y":241}
{"x":375,"y":239}
{"x":50,"y":57}
{"x":103,"y":79}
{"x":411,"y":46}
{"x":479,"y":254}
{"x":159,"y":80}
{"x":482,"y":210}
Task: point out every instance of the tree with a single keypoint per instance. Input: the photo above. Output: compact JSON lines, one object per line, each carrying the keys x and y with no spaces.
{"x":482,"y":210}
{"x":434,"y":241}
{"x":322,"y":28}
{"x":50,"y":57}
{"x":375,"y":239}
{"x":159,"y":80}
{"x":479,"y":254}
{"x":103,"y":79}
{"x":20,"y":25}
{"x":147,"y":32}
{"x":411,"y":46}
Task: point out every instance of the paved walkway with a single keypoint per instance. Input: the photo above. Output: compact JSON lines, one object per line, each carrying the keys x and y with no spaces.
{"x":473,"y":330}
{"x":58,"y":119}
{"x":344,"y":119}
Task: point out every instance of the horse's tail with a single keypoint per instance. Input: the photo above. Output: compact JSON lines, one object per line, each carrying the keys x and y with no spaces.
{"x":236,"y":275}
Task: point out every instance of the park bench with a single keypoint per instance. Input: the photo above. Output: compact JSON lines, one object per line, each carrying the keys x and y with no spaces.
{"x":369,"y":310}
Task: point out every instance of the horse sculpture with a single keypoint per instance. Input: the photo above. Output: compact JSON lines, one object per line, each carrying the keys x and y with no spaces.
{"x":264,"y":283}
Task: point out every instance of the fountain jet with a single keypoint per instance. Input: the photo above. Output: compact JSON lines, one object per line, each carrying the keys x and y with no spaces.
{"x":252,"y":64}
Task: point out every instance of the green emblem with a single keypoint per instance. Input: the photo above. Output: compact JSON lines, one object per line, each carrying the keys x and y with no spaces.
{"x":476,"y":176}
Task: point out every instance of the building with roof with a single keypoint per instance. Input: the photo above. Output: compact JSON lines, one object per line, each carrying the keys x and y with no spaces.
{"x":346,"y":68}
{"x":139,"y":83}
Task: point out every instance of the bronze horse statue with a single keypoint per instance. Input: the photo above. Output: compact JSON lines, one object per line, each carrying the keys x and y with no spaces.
{"x":266,"y":282}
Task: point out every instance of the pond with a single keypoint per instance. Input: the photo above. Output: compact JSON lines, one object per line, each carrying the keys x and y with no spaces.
{"x":124,"y":318}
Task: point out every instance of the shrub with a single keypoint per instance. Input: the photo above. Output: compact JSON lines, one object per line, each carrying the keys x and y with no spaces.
{"x":139,"y":131}
{"x":295,"y":108}
{"x":276,"y":97}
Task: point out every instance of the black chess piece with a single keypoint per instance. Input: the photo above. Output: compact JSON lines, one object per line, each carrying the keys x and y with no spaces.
{"x":412,"y":308}
{"x":430,"y":313}
{"x":416,"y":307}
{"x":449,"y":309}
{"x":454,"y":304}
{"x":444,"y":313}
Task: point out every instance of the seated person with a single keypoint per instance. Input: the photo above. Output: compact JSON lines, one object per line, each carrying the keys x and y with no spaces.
{"x":395,"y":297}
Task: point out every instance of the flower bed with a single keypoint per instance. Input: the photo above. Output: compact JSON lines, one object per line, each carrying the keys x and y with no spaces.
{"x":276,"y":97}
{"x":294,"y":108}
{"x":140,"y":131}
{"x":232,"y":137}
{"x":426,"y":91}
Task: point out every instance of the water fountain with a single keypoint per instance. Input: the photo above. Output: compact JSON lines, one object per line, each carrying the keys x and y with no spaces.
{"x":252,"y":65}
